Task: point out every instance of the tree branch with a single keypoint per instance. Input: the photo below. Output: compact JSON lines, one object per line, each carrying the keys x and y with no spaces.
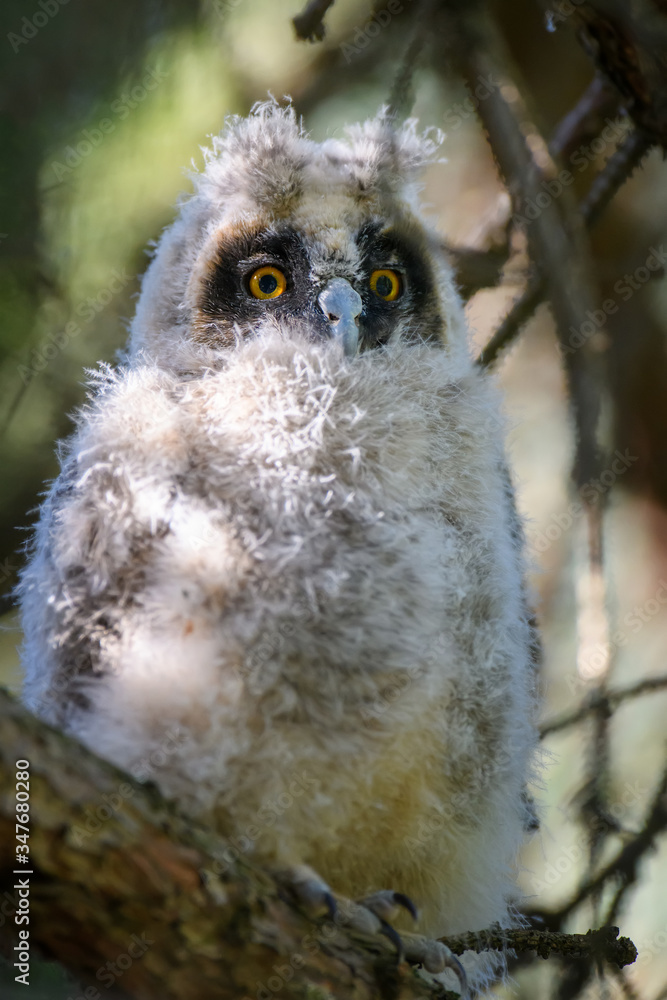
{"x":475,"y":269}
{"x":618,"y":169}
{"x":308,"y":24}
{"x":607,"y":701}
{"x":600,"y":944}
{"x":115,"y":871}
{"x":624,"y":867}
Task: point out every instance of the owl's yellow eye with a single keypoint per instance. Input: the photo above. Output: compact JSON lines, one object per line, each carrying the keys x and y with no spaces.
{"x":267,"y":283}
{"x":386,"y":284}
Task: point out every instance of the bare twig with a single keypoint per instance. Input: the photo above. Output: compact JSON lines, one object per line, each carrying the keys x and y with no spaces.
{"x":583,"y":123}
{"x":596,"y":797}
{"x":630,"y":870}
{"x":13,"y":407}
{"x":628,"y":44}
{"x":610,"y":700}
{"x":475,"y":269}
{"x":625,"y":865}
{"x":401,"y":97}
{"x":523,"y":308}
{"x":329,"y":73}
{"x":554,"y":234}
{"x":618,"y":169}
{"x":604,"y":943}
{"x":308,"y":24}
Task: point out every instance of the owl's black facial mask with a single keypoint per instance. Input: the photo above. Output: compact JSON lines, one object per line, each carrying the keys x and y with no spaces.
{"x":228,"y":297}
{"x":398,"y":250}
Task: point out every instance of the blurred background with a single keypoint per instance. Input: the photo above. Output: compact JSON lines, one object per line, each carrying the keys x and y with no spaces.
{"x":104,"y":110}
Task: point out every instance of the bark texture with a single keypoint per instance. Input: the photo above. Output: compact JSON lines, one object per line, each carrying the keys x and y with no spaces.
{"x":124,"y":891}
{"x":118,"y":873}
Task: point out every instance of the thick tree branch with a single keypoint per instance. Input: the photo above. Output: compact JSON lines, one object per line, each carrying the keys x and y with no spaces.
{"x":115,"y":871}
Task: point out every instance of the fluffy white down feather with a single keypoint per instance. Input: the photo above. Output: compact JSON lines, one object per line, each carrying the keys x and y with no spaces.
{"x":321,"y":599}
{"x":308,"y":567}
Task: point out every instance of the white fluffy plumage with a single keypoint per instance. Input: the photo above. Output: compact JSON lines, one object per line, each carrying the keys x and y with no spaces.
{"x":308,"y":563}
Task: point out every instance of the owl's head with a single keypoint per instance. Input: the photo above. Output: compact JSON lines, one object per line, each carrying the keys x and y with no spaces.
{"x":321,"y":241}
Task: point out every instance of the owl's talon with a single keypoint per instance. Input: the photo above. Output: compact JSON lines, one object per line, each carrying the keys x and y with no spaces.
{"x":374,"y":914}
{"x":310,"y":891}
{"x":395,"y":939}
{"x":455,"y":965}
{"x":402,"y":900}
{"x":434,"y":956}
{"x":370,"y":916}
{"x":360,"y":917}
{"x":332,"y":906}
{"x":387,"y":904}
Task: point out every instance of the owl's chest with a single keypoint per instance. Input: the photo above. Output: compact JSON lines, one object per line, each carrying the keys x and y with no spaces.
{"x":308,"y":537}
{"x":312,"y":576}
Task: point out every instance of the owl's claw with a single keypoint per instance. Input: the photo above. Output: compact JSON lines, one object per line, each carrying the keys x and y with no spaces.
{"x":435,"y":957}
{"x":387,"y":904}
{"x":311,"y":892}
{"x":372,"y":915}
{"x":395,"y":939}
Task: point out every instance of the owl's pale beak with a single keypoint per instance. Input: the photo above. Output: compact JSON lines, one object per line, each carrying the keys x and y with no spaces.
{"x":342,"y":307}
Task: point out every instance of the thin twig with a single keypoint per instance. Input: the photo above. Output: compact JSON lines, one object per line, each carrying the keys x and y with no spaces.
{"x":308,"y":24}
{"x":330,"y":74}
{"x":628,"y":42}
{"x":595,"y":803}
{"x":554,"y":234}
{"x":618,"y":169}
{"x":617,"y":900}
{"x":13,"y":407}
{"x":583,"y":123}
{"x":401,"y":97}
{"x":626,"y":863}
{"x":475,"y":269}
{"x":603,"y":942}
{"x":523,"y":308}
{"x":611,"y":700}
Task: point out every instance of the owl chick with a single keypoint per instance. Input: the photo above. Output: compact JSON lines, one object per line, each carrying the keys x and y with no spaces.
{"x":284,"y":527}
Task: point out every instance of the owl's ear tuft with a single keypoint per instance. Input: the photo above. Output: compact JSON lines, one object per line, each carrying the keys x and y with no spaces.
{"x":383,"y":158}
{"x":257,"y":159}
